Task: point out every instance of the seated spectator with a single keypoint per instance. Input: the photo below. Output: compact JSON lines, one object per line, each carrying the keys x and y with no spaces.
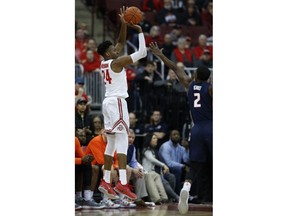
{"x":176,"y":157}
{"x":182,"y":54}
{"x":198,"y":51}
{"x":167,"y":46}
{"x":158,"y":127}
{"x":80,"y":40}
{"x":83,"y":174}
{"x":81,"y":135}
{"x":135,"y":172}
{"x":154,"y":36}
{"x":207,"y":15}
{"x":151,"y":162}
{"x":91,"y":64}
{"x":96,"y":125}
{"x":152,"y":5}
{"x":205,"y":60}
{"x":82,"y":117}
{"x":91,"y":45}
{"x":167,"y":15}
{"x":153,"y":180}
{"x":176,"y":33}
{"x":79,"y":89}
{"x":192,"y":15}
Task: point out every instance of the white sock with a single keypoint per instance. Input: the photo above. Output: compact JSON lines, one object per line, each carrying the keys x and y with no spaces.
{"x":121,"y":196}
{"x":87,"y":195}
{"x":186,"y":186}
{"x":78,"y":194}
{"x":105,"y":197}
{"x":107,"y":174}
{"x":91,"y":194}
{"x":123,"y":176}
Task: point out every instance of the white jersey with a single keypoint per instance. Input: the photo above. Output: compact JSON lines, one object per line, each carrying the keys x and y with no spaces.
{"x":115,"y":83}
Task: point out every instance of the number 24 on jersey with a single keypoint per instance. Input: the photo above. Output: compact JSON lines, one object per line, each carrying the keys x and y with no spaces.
{"x":106,"y":76}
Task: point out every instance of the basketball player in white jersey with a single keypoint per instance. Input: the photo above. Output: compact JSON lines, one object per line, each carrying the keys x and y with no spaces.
{"x":114,"y":107}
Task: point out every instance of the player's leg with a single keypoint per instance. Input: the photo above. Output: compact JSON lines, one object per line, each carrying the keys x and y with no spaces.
{"x":122,"y":186}
{"x":196,"y":153}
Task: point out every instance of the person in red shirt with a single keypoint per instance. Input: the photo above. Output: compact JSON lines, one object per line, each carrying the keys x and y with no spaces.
{"x":91,"y":45}
{"x":154,"y":36}
{"x":198,"y":51}
{"x":91,"y":64}
{"x":181,"y":53}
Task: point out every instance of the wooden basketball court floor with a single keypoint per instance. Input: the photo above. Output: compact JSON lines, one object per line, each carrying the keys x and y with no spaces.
{"x":163,"y":210}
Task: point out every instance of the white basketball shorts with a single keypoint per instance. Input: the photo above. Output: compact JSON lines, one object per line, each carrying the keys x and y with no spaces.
{"x":115,"y":112}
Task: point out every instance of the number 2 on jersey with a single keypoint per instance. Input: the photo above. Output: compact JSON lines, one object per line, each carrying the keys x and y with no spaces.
{"x":197,"y":100}
{"x":106,"y":76}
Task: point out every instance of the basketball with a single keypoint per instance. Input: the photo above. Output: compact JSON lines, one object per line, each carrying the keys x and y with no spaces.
{"x":133,"y":15}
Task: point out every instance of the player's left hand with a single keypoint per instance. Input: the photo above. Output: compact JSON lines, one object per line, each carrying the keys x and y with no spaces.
{"x":155,"y":49}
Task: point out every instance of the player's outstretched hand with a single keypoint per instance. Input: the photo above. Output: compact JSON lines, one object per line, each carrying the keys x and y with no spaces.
{"x":155,"y":49}
{"x":122,"y":10}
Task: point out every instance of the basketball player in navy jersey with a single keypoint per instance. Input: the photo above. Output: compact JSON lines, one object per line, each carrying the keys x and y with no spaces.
{"x":200,"y":103}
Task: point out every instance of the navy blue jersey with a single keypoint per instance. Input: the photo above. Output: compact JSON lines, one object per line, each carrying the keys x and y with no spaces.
{"x":200,"y":102}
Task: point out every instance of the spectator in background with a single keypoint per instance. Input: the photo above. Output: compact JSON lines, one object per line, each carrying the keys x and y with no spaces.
{"x":154,"y":36}
{"x":145,"y":82}
{"x":96,"y":125}
{"x":176,"y":33}
{"x":91,"y":45}
{"x":153,"y":179}
{"x":80,"y":43}
{"x":168,"y":15}
{"x":205,"y":60}
{"x":83,"y":179}
{"x":176,"y":158}
{"x":81,"y":135}
{"x":167,"y":45}
{"x":192,"y":15}
{"x":79,"y":89}
{"x":207,"y":15}
{"x":158,"y":127}
{"x":152,"y":5}
{"x":198,"y":51}
{"x":151,"y":162}
{"x":135,"y":171}
{"x":182,"y":54}
{"x":91,"y":64}
{"x":82,"y":118}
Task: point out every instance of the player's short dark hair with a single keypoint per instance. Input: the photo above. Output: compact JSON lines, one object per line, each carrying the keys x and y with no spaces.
{"x":103,"y":47}
{"x":203,"y":73}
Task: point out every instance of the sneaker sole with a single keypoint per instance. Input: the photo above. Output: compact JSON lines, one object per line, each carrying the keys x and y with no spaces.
{"x":110,"y":196}
{"x":93,"y":207}
{"x":183,"y":202}
{"x":132,"y":198}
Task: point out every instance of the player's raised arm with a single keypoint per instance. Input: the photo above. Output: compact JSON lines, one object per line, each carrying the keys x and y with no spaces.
{"x":123,"y":31}
{"x":182,"y":76}
{"x":122,"y":61}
